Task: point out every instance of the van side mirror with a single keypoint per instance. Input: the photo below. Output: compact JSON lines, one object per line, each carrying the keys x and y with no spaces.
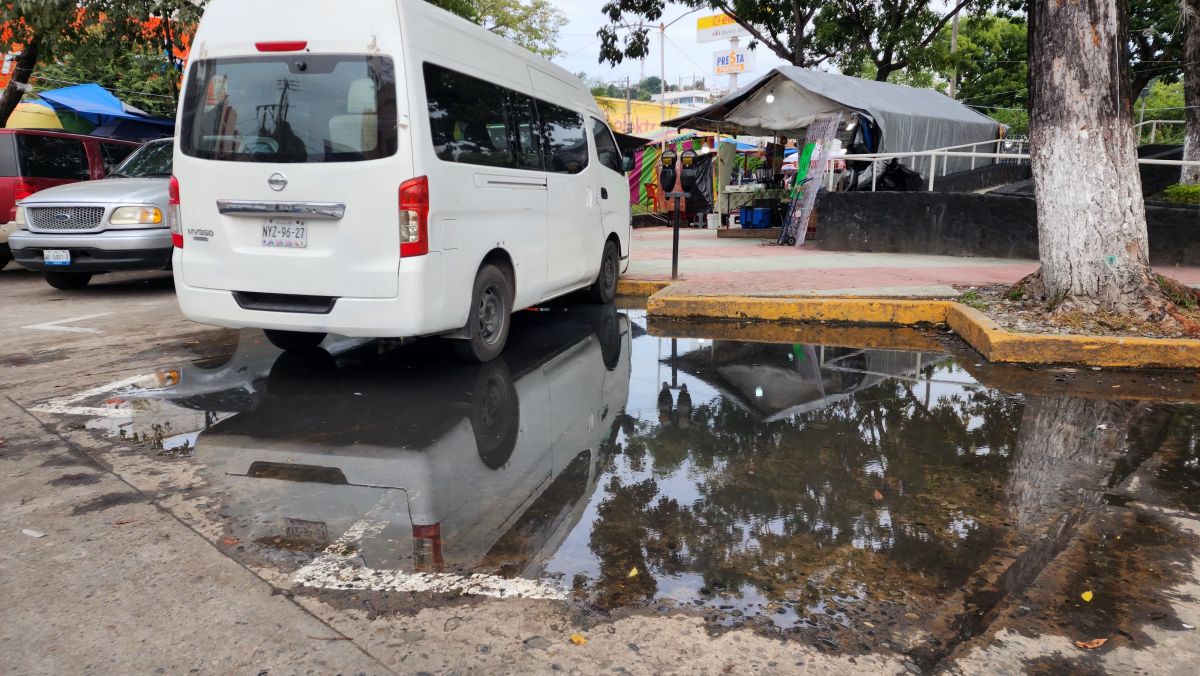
{"x":627,"y":164}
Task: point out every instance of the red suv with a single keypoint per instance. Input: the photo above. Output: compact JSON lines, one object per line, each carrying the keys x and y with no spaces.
{"x":33,"y":160}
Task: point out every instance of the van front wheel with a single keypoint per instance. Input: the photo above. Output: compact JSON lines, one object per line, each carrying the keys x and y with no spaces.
{"x":294,"y":340}
{"x":604,"y":290}
{"x":489,"y":319}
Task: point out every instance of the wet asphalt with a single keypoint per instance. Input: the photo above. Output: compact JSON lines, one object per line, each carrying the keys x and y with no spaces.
{"x":852,"y":499}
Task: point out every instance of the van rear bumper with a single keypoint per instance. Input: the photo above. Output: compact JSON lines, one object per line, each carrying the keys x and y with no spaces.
{"x":417,"y":310}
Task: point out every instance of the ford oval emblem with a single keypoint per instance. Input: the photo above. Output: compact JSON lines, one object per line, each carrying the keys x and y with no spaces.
{"x":277,"y":181}
{"x":62,"y":217}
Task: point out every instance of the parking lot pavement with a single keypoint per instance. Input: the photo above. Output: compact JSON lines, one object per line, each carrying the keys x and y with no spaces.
{"x":115,"y":561}
{"x":176,"y":498}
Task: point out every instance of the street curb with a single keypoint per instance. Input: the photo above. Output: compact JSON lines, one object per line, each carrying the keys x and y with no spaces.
{"x":640,"y":288}
{"x":993,"y":342}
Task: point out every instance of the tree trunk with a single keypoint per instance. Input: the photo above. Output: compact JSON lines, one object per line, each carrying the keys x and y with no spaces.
{"x":1066,"y":451}
{"x":22,"y":71}
{"x":1190,"y":15}
{"x":1091,"y":218}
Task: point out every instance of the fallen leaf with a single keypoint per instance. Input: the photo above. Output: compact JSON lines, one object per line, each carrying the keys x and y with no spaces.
{"x":33,"y":533}
{"x":229,"y":541}
{"x":122,"y":522}
{"x":633,"y":572}
{"x":1092,"y":644}
{"x":878,"y":495}
{"x":578,"y":639}
{"x":1087,"y":596}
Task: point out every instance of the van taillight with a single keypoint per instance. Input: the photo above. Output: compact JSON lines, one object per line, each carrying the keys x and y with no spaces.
{"x":173,"y":214}
{"x":414,"y":217}
{"x":427,"y":549}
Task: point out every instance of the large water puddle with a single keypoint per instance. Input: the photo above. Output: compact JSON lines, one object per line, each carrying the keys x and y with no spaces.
{"x":852,"y":496}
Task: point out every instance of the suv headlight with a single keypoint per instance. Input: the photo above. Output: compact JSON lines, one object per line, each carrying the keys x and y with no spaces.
{"x":136,"y":216}
{"x":19,"y":216}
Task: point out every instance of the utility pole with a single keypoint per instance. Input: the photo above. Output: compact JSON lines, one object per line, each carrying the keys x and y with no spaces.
{"x":628,"y":109}
{"x":953,"y":49}
{"x":733,"y":45}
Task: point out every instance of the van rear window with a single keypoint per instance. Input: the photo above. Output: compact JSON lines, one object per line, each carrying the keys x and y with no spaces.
{"x":300,"y":108}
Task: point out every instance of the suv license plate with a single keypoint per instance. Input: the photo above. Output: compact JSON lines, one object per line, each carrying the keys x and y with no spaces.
{"x":56,"y":257}
{"x":285,"y":234}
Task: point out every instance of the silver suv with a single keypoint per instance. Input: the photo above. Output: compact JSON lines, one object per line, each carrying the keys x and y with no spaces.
{"x":71,"y":232}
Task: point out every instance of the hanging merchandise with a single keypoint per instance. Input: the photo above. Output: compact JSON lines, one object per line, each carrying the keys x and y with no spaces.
{"x":810,"y":170}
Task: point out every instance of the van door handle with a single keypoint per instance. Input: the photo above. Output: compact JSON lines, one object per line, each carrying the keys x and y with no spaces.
{"x":603,"y":193}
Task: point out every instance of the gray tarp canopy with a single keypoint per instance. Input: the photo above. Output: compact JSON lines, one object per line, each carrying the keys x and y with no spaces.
{"x":905,"y":118}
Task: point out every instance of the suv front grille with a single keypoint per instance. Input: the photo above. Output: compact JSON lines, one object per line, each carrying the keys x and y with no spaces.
{"x":64,"y":218}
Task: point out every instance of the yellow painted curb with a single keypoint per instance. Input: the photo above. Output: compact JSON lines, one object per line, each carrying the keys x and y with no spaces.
{"x":641,"y":288}
{"x":865,"y":337}
{"x":995,"y":343}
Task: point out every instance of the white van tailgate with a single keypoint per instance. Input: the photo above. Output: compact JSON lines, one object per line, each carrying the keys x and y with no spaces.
{"x":331,"y":230}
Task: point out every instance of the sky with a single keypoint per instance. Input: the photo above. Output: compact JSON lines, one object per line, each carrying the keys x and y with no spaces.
{"x":684,"y":56}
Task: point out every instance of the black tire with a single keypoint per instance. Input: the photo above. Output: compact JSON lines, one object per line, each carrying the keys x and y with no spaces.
{"x":294,"y":340}
{"x":67,"y":281}
{"x":489,"y":319}
{"x":5,"y":256}
{"x":495,"y":414}
{"x":607,"y":326}
{"x":604,"y":290}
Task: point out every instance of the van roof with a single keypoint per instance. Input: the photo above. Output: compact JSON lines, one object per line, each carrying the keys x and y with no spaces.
{"x":232,"y":27}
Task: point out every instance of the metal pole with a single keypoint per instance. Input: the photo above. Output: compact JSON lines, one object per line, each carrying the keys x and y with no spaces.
{"x":1153,"y":131}
{"x":675,"y":241}
{"x":662,"y":95}
{"x":932,"y":169}
{"x":733,"y":76}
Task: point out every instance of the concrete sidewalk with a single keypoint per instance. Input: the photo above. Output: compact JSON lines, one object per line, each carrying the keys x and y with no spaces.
{"x":712,"y":266}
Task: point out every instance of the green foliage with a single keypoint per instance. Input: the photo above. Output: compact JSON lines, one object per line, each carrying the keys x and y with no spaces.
{"x":889,"y":34}
{"x":972,"y":298}
{"x":1163,"y":101}
{"x":135,"y":74}
{"x":992,"y":61}
{"x":532,"y":24}
{"x":1017,"y":120}
{"x":1183,"y":194}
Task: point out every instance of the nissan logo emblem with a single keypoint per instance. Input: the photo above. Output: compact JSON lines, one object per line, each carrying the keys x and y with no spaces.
{"x":277,"y":181}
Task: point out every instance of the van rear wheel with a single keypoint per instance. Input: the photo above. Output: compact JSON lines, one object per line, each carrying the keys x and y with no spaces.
{"x":604,"y":290}
{"x":489,"y":319}
{"x":294,"y":340}
{"x":67,"y":281}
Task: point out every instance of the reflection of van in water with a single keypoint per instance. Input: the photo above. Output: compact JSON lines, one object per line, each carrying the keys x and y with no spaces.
{"x":477,"y":468}
{"x":386,"y":169}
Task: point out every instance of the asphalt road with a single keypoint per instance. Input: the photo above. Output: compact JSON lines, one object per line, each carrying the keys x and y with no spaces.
{"x":117,"y":557}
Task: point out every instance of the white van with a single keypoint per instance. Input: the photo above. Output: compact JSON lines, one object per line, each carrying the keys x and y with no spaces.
{"x":383,"y":168}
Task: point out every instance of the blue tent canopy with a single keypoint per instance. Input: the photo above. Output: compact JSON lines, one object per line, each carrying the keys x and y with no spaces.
{"x":98,"y":106}
{"x":740,"y":145}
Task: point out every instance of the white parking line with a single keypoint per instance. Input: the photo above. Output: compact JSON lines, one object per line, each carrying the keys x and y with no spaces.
{"x":339,"y":568}
{"x":57,"y":326}
{"x":66,"y":405}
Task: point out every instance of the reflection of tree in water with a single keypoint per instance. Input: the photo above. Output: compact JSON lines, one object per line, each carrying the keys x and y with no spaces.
{"x":786,"y":501}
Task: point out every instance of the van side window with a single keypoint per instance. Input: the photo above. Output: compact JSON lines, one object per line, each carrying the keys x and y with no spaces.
{"x":523,"y":114}
{"x":468,"y":119}
{"x":565,"y":138}
{"x":52,"y":157}
{"x":606,"y":147}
